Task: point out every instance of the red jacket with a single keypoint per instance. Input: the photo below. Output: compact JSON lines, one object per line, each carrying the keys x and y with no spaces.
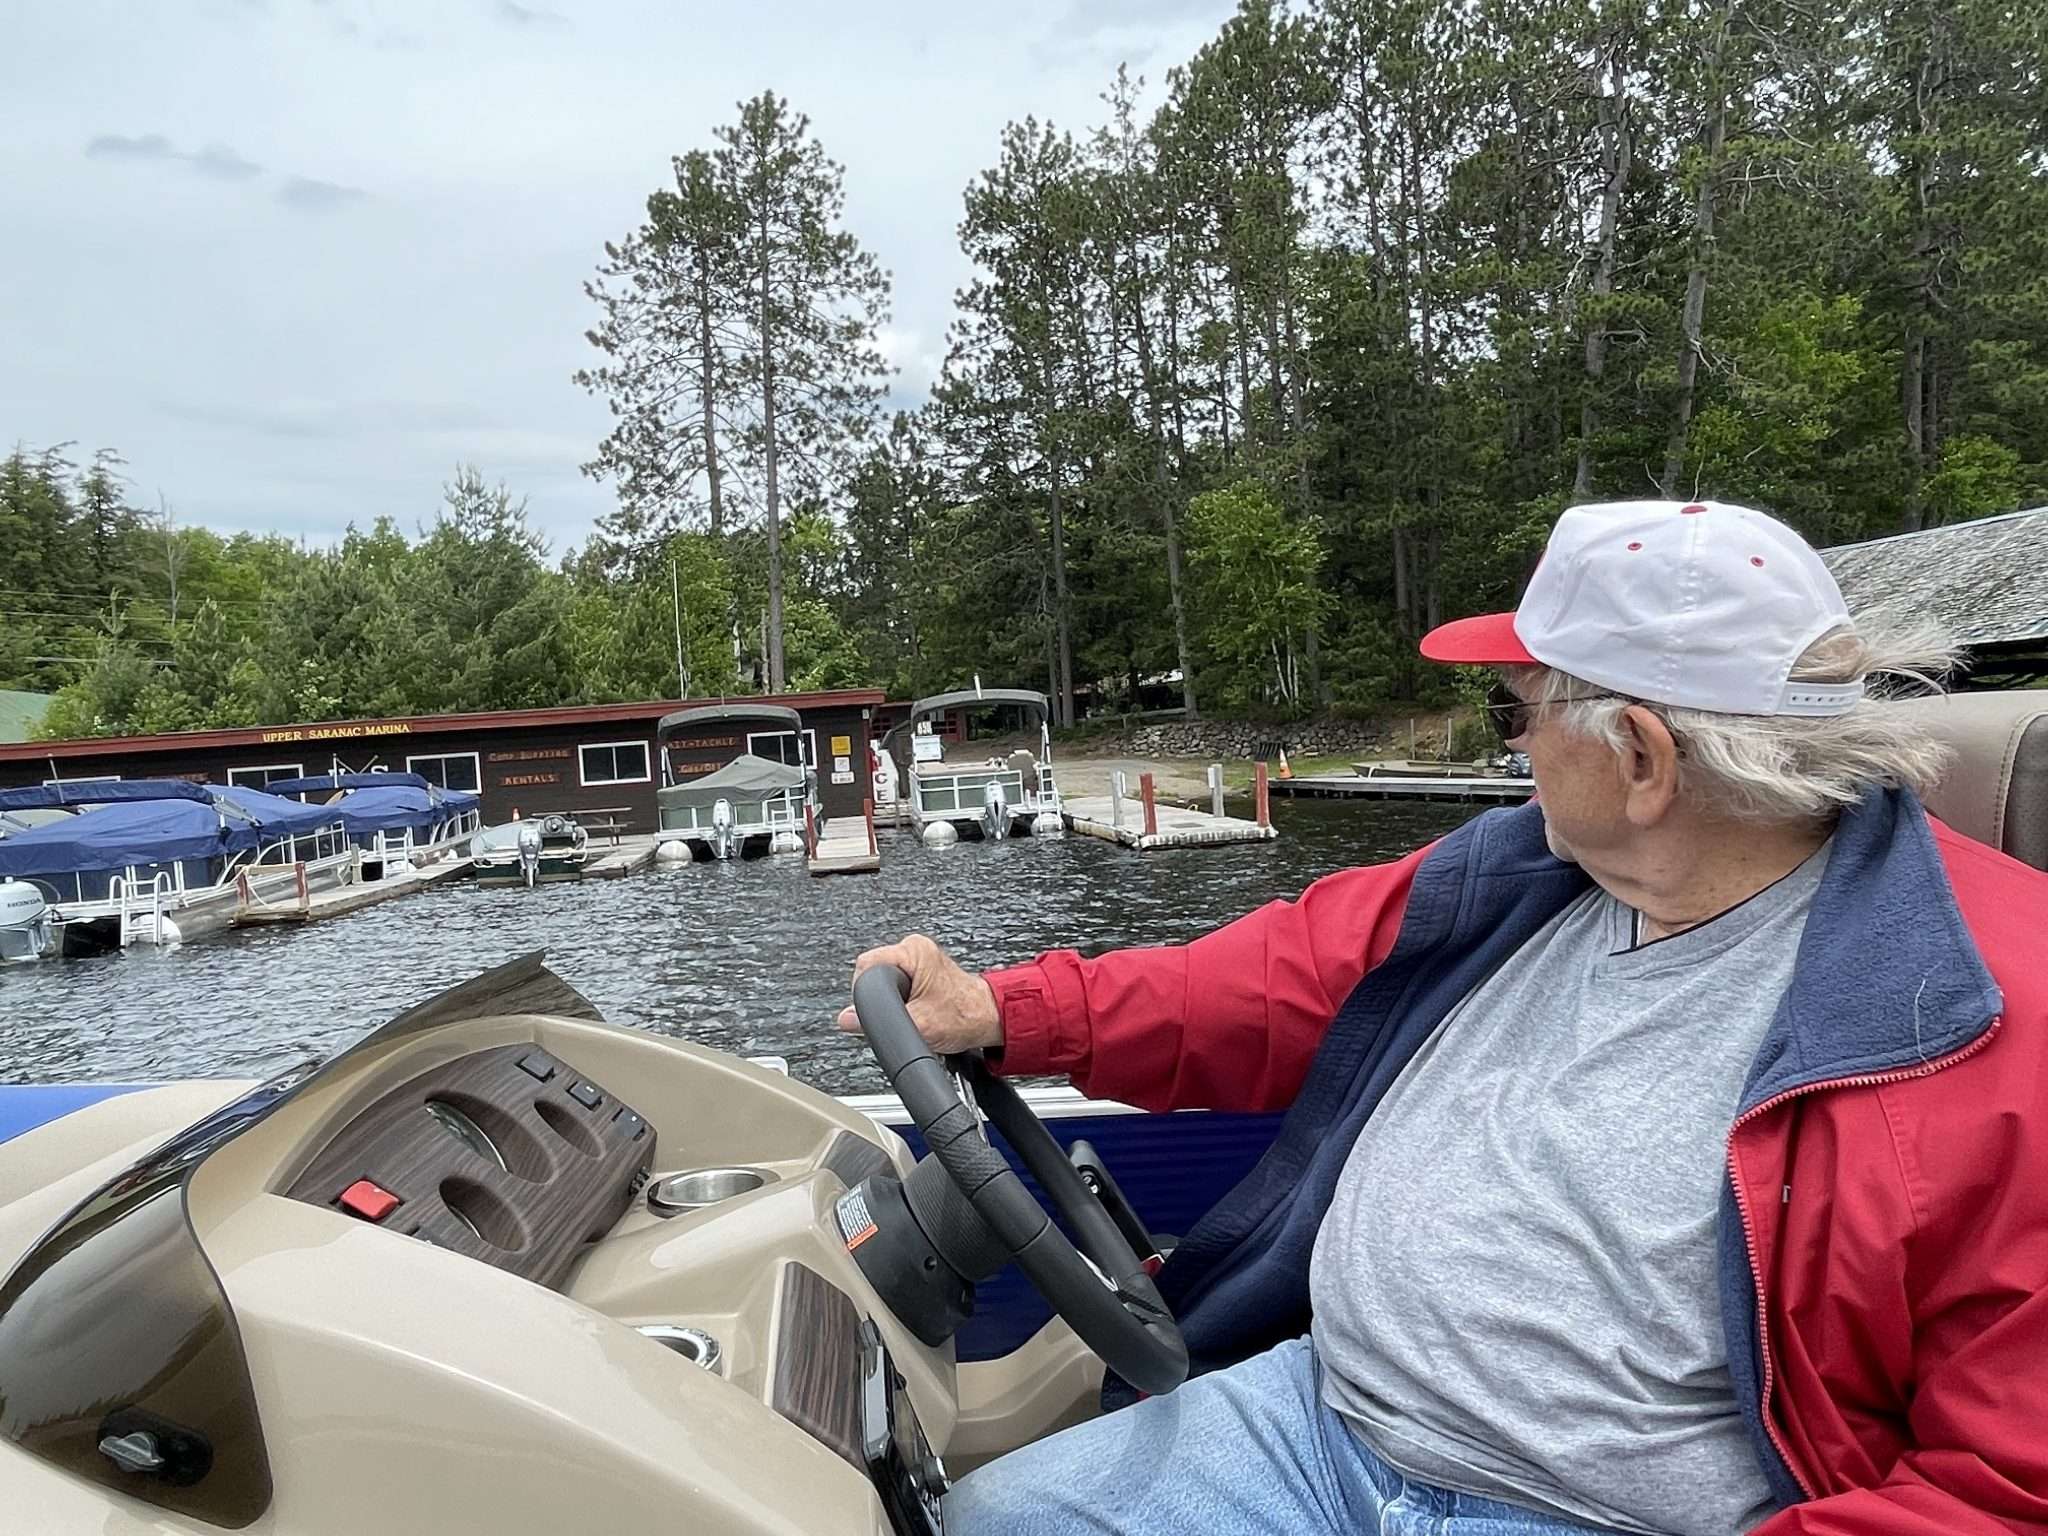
{"x":1896,"y":1219}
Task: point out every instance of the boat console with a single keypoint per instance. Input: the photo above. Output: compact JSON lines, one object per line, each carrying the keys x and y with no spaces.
{"x":499,"y":1267}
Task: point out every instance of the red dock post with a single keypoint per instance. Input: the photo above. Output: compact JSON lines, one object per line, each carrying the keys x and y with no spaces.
{"x":1262,"y":797}
{"x":868,"y":810}
{"x":1151,"y":804}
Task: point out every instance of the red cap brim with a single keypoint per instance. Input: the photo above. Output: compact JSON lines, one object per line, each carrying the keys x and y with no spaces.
{"x":1486,"y":641}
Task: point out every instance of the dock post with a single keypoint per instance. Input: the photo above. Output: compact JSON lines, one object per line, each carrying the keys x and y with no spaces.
{"x":305,"y":891}
{"x":1215,"y":789}
{"x":868,"y":810}
{"x":244,"y":896}
{"x":810,"y":832}
{"x":1261,"y":797}
{"x":1150,"y":798}
{"x":1117,"y":790}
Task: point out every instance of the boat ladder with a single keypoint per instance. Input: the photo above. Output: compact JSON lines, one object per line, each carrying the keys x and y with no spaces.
{"x":139,"y":901}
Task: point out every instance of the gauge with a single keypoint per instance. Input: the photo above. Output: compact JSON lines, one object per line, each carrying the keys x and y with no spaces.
{"x":465,"y":1130}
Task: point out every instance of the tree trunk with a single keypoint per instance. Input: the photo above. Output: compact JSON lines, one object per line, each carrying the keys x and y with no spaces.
{"x":1696,"y":279}
{"x":1913,"y":389}
{"x":1163,"y":490}
{"x":709,"y":393}
{"x":1615,"y":155}
{"x":1061,"y":619}
{"x":770,"y":479}
{"x":1402,"y":609}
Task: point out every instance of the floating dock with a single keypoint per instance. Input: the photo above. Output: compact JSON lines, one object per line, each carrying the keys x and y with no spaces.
{"x":1347,"y":786}
{"x":1139,"y":821}
{"x":333,"y":901}
{"x":1171,"y":826}
{"x":627,"y":856}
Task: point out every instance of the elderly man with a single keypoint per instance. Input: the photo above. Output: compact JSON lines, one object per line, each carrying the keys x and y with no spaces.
{"x":1670,"y":1155}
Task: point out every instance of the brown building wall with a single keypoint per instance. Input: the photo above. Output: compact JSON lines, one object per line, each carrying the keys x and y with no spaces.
{"x":532,"y":768}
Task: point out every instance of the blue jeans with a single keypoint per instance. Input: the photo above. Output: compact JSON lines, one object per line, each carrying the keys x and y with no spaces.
{"x":1250,"y":1449}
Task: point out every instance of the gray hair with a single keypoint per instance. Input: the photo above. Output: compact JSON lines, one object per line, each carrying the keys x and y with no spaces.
{"x":1791,"y":767}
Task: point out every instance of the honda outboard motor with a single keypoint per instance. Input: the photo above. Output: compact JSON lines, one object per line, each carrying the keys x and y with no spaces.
{"x":995,"y":810}
{"x":26,"y":931}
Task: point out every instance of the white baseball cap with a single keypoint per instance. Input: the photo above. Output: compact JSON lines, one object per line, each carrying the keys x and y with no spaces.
{"x":1696,"y":604}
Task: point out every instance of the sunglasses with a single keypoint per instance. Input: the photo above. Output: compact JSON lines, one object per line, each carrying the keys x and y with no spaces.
{"x":1510,"y":714}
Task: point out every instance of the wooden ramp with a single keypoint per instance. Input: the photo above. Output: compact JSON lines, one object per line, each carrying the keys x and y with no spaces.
{"x":1123,"y":823}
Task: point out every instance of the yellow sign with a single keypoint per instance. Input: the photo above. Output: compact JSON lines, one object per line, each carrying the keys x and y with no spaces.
{"x":338,"y":732}
{"x":841,"y":745}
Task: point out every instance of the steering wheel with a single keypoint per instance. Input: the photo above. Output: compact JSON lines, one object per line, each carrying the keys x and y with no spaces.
{"x":1106,"y":1297}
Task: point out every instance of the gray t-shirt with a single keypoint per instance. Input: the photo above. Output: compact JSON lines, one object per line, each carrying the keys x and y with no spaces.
{"x":1515,"y":1285}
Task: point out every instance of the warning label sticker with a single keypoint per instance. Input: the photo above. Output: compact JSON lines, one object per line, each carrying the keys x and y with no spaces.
{"x":855,"y":1224}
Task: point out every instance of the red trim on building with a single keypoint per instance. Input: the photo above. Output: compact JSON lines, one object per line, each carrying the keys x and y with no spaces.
{"x":414,"y":725}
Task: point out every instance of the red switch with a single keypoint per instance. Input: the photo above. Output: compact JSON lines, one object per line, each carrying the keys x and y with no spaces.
{"x":368,"y":1201}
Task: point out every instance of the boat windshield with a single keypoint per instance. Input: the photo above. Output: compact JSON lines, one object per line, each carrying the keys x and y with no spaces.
{"x":120,"y":1358}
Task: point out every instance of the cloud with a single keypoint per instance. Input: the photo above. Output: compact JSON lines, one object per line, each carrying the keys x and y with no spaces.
{"x":223,"y":164}
{"x":114,"y":146}
{"x":218,"y":162}
{"x":528,"y":15}
{"x":313,"y":195}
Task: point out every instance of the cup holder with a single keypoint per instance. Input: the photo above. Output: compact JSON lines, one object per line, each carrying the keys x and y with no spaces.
{"x":693,"y":1344}
{"x":675,"y":1193}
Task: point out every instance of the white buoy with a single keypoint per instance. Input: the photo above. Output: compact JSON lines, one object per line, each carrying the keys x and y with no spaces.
{"x":939,"y":834}
{"x":672,"y":851}
{"x":1048,"y":824}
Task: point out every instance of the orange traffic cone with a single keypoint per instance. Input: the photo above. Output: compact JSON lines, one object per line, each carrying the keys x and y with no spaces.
{"x":1285,"y":771}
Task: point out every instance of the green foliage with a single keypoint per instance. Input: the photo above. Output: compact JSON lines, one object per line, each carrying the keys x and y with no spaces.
{"x":1256,"y":591}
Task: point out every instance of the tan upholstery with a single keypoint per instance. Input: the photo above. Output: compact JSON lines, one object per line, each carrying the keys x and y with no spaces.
{"x":1997,"y":791}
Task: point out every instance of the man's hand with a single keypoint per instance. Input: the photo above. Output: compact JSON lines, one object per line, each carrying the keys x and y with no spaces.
{"x":955,"y":1010}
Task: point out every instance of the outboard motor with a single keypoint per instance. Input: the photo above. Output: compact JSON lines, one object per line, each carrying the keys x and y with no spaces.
{"x":995,"y":810}
{"x":530,"y":839}
{"x":25,"y":922}
{"x":721,"y":828}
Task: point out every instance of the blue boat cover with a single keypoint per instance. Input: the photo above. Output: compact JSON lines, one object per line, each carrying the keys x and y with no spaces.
{"x":312,"y":783}
{"x":397,"y":807}
{"x":116,"y":836}
{"x":38,"y":797}
{"x":274,"y":815}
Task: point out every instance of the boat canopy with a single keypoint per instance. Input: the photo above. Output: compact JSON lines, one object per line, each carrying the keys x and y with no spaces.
{"x":113,"y":837}
{"x":63,"y":792}
{"x":272,"y":815}
{"x":313,"y":783}
{"x":12,"y":822}
{"x":399,"y":807}
{"x":707,"y":714}
{"x":963,"y":698}
{"x":746,"y":777}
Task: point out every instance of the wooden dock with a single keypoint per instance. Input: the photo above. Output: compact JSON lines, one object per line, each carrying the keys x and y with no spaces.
{"x":846,"y":847}
{"x":1348,"y":786}
{"x":338,"y":899}
{"x":628,"y":856}
{"x":1124,"y":825}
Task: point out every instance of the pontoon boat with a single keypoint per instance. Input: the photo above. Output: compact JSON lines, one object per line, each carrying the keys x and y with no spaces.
{"x":991,"y":798}
{"x":159,"y":860}
{"x":751,"y":805}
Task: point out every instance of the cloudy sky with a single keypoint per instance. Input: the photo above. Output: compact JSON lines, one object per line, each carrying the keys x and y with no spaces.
{"x":297,"y":258}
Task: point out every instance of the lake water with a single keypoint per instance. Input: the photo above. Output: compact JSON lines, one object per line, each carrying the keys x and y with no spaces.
{"x":753,"y":958}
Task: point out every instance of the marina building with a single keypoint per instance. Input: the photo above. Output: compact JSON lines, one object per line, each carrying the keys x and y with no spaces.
{"x":597,"y":762}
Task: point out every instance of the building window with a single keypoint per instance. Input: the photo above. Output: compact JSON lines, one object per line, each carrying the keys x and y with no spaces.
{"x":614,"y":762}
{"x":256,"y":778}
{"x":781,"y":746}
{"x":450,"y":770}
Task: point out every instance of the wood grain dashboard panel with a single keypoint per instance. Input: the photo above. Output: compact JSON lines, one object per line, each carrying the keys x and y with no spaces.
{"x":817,"y":1361}
{"x":571,"y":1166}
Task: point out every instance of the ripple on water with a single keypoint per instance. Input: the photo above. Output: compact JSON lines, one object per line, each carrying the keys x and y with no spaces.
{"x":752,"y":958}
